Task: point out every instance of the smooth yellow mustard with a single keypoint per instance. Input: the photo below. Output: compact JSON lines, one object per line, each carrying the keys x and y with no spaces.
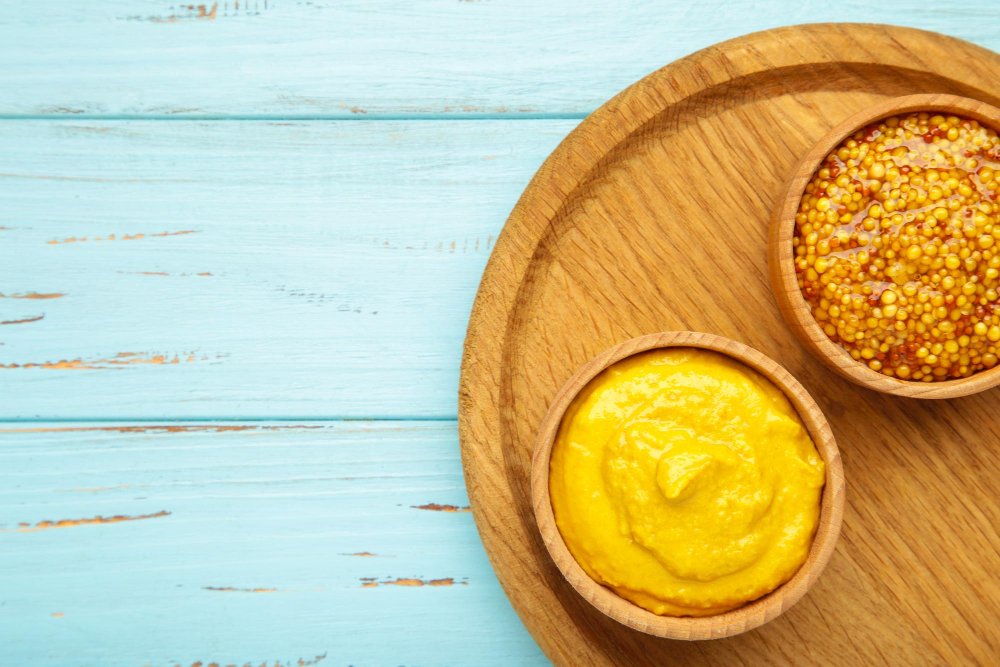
{"x":685,"y":481}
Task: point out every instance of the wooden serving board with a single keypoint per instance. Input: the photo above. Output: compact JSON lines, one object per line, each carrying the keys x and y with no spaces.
{"x":652,"y":216}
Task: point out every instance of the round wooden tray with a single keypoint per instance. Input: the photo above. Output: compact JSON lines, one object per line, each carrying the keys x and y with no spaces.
{"x":652,"y":215}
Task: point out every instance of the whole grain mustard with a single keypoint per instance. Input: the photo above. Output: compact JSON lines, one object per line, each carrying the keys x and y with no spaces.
{"x":686,"y":482}
{"x":896,"y":247}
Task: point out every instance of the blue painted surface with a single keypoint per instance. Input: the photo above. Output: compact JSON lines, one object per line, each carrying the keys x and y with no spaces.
{"x":277,"y":267}
{"x":279,"y":508}
{"x":344,"y":258}
{"x":396,"y":58}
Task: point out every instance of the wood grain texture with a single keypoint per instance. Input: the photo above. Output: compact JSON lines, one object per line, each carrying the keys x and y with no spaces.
{"x":652,"y":215}
{"x":255,"y":542}
{"x":793,"y":306}
{"x":732,"y":622}
{"x":311,"y":246}
{"x":396,"y":58}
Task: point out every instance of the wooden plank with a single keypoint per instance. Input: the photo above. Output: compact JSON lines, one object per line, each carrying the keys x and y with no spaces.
{"x":347,"y":58}
{"x":236,"y":542}
{"x":248,"y":269}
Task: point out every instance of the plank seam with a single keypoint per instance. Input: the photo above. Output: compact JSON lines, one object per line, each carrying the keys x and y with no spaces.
{"x":209,"y":420}
{"x":296,"y":118}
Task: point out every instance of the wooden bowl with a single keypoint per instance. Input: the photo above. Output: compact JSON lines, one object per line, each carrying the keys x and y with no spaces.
{"x":729,"y":623}
{"x":791,"y":303}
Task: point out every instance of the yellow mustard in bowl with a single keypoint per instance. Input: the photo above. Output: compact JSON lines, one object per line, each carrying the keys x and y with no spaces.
{"x":686,"y":482}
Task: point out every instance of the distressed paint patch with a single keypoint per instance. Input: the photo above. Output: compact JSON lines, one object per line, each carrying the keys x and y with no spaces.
{"x":353,"y":109}
{"x":89,"y":179}
{"x":71,"y":523}
{"x":180,"y":233}
{"x":161,"y":273}
{"x":434,"y":507}
{"x":230,"y":589}
{"x":58,"y":110}
{"x":24,"y":321}
{"x":57,"y":614}
{"x":120,"y":360}
{"x":306,"y":663}
{"x":33,"y":295}
{"x":369,"y":582}
{"x":98,"y":489}
{"x":202,"y":12}
{"x":126,"y":237}
{"x":301,"y":662}
{"x":185,"y":428}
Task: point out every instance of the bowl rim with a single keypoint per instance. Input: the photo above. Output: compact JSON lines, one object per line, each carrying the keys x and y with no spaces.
{"x":756,"y":612}
{"x":784,"y":284}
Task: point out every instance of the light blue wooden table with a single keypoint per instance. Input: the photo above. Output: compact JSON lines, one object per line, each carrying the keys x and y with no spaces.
{"x":238,"y":247}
